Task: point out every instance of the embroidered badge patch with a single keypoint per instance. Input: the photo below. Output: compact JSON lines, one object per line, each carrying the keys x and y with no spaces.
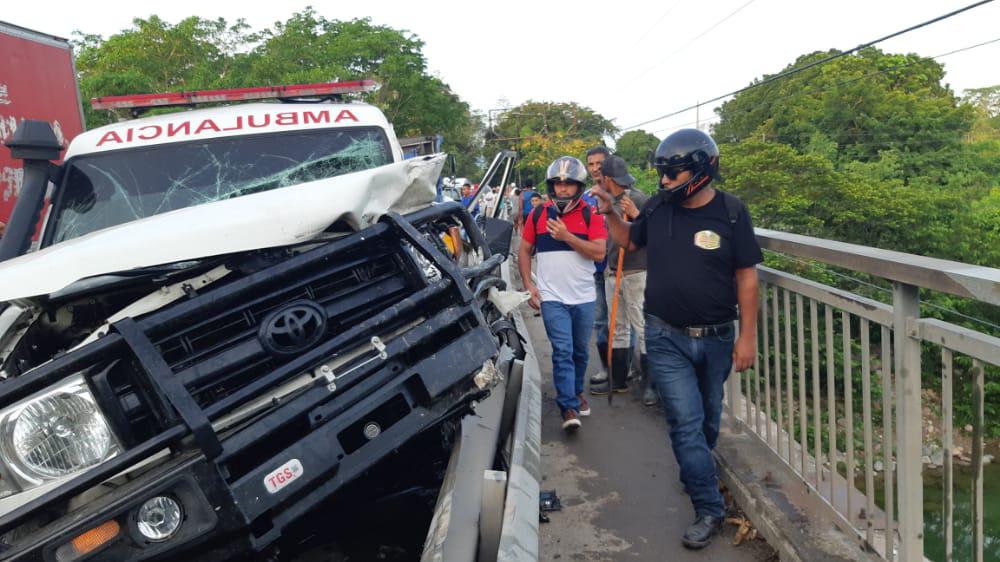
{"x":707,"y":240}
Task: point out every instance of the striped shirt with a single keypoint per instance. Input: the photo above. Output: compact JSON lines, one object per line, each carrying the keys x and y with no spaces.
{"x":563,"y":274}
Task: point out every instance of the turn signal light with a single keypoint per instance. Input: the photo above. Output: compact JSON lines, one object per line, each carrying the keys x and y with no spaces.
{"x":88,"y":542}
{"x":96,"y":537}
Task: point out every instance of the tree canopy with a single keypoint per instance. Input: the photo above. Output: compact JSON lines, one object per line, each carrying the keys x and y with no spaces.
{"x":543,"y":131}
{"x":857,"y":106}
{"x":635,"y":147}
{"x":870,"y":148}
{"x":157,"y":56}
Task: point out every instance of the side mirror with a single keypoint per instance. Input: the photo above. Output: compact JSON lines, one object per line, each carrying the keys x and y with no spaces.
{"x":35,"y":144}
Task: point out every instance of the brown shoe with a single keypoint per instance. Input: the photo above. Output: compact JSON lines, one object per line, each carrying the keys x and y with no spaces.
{"x":571,"y":422}
{"x":584,"y":406}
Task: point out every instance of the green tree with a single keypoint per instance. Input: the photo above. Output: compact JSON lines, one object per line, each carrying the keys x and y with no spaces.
{"x":543,"y":131}
{"x":636,"y":147}
{"x":542,"y":118}
{"x":538,"y":151}
{"x":865,"y":103}
{"x":156,"y":56}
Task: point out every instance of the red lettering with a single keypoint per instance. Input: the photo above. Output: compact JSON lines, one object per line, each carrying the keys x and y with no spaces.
{"x":108,"y":137}
{"x":207,"y":124}
{"x":267,"y":121}
{"x":289,"y":473}
{"x":158,"y":130}
{"x":239,"y":124}
{"x":319,"y":117}
{"x":273,"y":481}
{"x":174,"y":128}
{"x":128,"y":135}
{"x":345,"y":114}
{"x":286,"y":119}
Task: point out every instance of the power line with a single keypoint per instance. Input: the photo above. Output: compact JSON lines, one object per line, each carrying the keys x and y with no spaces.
{"x":652,"y":27}
{"x":815,"y":63}
{"x":688,"y":44}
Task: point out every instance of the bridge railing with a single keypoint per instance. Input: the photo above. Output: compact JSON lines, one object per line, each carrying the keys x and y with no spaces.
{"x":837,"y":391}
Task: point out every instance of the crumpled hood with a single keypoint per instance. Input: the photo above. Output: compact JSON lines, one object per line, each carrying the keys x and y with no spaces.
{"x":262,"y":220}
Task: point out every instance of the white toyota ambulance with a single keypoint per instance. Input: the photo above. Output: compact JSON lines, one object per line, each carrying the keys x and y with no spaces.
{"x":232,"y":313}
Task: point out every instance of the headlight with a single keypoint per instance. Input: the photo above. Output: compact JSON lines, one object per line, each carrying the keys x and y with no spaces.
{"x":55,"y":433}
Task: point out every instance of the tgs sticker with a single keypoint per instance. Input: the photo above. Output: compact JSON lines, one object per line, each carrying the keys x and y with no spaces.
{"x":283,"y":476}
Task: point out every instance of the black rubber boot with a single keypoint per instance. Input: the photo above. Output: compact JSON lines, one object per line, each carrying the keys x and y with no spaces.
{"x":634,"y":373}
{"x":649,"y":396}
{"x":600,"y":383}
{"x":619,"y":370}
{"x":700,"y":533}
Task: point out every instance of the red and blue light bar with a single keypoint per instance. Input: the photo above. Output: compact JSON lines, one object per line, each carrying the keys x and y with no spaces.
{"x":234,"y":95}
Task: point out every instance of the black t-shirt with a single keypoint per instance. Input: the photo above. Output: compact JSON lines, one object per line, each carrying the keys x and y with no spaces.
{"x":692,"y":258}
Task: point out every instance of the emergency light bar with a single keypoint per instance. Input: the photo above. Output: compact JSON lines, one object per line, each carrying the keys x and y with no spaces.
{"x":235,"y":94}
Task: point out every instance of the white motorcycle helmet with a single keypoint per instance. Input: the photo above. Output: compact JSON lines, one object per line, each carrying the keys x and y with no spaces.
{"x":563,"y":169}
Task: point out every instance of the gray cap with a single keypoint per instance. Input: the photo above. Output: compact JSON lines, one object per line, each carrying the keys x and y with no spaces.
{"x":615,"y":168}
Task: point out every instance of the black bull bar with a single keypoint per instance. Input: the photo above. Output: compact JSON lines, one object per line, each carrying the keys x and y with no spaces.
{"x":408,"y":397}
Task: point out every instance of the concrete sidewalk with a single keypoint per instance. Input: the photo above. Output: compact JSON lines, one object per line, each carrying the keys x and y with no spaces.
{"x":618,"y":481}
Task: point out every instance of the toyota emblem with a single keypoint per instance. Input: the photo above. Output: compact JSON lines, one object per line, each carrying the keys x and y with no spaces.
{"x":293,"y":328}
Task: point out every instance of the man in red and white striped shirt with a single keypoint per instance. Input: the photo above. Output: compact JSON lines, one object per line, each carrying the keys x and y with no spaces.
{"x":569,"y":237}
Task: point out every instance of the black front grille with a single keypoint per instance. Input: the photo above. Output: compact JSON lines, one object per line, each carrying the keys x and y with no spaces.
{"x":217,"y":353}
{"x":212,"y":335}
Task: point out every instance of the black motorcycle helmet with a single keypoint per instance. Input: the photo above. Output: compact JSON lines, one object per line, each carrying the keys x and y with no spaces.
{"x":687,"y":149}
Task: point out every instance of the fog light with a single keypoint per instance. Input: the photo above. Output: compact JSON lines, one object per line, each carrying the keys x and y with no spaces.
{"x":159,"y":518}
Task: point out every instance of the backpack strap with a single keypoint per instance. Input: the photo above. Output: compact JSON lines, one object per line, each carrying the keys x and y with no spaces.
{"x":651,"y":204}
{"x":734,"y":206}
{"x":536,"y":216}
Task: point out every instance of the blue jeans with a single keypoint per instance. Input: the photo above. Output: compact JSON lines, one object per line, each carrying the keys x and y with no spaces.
{"x":601,"y":314}
{"x":690,"y":374}
{"x":568,"y":327}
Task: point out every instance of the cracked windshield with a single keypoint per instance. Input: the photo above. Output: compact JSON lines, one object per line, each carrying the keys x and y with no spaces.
{"x":114,"y":188}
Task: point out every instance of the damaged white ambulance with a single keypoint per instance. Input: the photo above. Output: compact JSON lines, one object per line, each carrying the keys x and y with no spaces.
{"x":231,"y":314}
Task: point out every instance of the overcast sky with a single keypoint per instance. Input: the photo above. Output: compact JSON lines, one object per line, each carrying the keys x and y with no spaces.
{"x":631,"y":61}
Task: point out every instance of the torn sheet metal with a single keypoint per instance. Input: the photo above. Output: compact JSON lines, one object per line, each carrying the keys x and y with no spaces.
{"x":278,"y":217}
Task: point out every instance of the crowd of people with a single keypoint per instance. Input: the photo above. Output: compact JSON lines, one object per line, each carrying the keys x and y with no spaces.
{"x":666,"y":285}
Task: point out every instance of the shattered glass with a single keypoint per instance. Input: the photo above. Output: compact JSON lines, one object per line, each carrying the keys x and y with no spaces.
{"x":108,"y":189}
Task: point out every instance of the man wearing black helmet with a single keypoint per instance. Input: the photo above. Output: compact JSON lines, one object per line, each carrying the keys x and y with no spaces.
{"x":569,"y":238}
{"x":701,"y":277}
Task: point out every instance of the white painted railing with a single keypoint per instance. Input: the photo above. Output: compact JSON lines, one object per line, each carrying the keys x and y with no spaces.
{"x":802,"y":402}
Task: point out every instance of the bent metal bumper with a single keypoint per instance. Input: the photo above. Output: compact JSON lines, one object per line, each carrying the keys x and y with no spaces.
{"x":239,"y":490}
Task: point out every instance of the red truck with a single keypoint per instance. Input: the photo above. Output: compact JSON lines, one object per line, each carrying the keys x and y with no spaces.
{"x":37,"y":81}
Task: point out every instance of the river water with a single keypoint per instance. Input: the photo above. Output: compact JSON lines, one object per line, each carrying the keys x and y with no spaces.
{"x":934,"y":513}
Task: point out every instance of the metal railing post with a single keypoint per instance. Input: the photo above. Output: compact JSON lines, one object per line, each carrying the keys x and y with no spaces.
{"x":906,"y":312}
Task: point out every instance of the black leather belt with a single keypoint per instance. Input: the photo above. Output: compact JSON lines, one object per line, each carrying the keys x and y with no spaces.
{"x":705,"y":330}
{"x":702,"y":331}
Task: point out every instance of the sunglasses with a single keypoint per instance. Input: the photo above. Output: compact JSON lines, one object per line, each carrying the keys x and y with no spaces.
{"x":673,"y":171}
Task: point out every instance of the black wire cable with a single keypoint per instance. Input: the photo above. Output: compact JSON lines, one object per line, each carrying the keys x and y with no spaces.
{"x":815,"y":63}
{"x":688,"y":44}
